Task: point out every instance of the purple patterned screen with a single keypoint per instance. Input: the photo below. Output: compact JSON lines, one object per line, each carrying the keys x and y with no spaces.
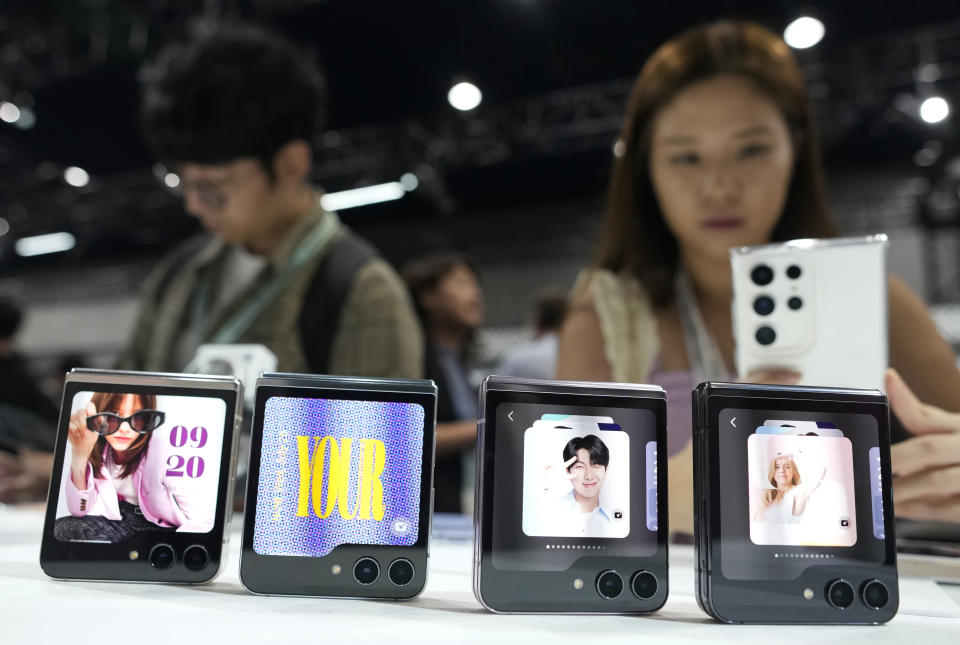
{"x":338,"y":472}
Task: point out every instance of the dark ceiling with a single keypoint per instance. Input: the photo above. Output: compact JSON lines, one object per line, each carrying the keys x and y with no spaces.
{"x":389,"y":65}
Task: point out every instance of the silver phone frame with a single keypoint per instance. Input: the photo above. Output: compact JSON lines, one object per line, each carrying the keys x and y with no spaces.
{"x":169,"y":379}
{"x":534,"y":386}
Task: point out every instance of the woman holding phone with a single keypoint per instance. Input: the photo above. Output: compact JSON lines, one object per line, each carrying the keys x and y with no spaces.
{"x":719,"y":149}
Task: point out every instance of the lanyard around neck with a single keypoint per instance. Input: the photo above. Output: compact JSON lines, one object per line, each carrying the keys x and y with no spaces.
{"x":305,"y":250}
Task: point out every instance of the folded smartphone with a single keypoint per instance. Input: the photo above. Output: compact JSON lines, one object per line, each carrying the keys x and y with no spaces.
{"x":339,"y":491}
{"x":571,"y":508}
{"x":793,"y":527}
{"x":142,"y":477}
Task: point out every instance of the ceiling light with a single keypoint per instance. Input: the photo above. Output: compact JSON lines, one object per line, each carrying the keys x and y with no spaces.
{"x":362,"y":196}
{"x":76,"y":177}
{"x":804,"y":32}
{"x":464,"y":96}
{"x":44,"y":244}
{"x":934,"y":109}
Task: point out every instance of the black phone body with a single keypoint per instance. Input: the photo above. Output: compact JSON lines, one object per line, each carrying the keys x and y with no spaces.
{"x":794,"y":507}
{"x":571,"y":500}
{"x":340,"y":487}
{"x":153,"y":500}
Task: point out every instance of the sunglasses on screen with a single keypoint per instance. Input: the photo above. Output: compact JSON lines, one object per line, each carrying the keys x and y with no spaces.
{"x":142,"y":422}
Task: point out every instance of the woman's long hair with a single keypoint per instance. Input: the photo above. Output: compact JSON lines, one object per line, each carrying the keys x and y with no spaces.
{"x":773,"y":496}
{"x":130,"y":458}
{"x":634,"y":237}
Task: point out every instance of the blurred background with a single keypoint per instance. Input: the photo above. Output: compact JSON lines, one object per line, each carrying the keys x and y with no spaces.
{"x":486,"y":126}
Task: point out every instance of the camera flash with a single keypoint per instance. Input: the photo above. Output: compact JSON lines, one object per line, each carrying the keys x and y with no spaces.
{"x":808,"y":593}
{"x":134,"y":555}
{"x":335,"y":569}
{"x":578,"y":584}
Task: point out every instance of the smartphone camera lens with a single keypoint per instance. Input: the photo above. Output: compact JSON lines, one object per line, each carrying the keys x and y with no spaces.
{"x":644,"y":584}
{"x":875,"y":594}
{"x":766,"y":335}
{"x":761,"y":275}
{"x":793,"y":272}
{"x":763,"y":305}
{"x":840,"y":593}
{"x":366,"y":571}
{"x":162,"y":556}
{"x":609,"y":584}
{"x":794,"y":303}
{"x":401,"y":572}
{"x":195,"y":557}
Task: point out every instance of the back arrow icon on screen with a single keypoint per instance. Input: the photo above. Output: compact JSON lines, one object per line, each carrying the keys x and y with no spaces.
{"x":732,"y":422}
{"x":510,"y":415}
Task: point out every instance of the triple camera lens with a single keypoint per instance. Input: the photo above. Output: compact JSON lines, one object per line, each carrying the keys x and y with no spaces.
{"x":765,"y":335}
{"x":609,"y":584}
{"x":762,"y":275}
{"x":763,"y":305}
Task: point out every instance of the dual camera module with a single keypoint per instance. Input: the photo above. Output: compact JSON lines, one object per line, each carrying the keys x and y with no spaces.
{"x":610,"y":584}
{"x":841,"y":594}
{"x":163,"y":556}
{"x":366,"y":571}
{"x":762,"y":275}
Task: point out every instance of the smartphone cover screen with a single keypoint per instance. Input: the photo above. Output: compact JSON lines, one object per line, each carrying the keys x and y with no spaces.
{"x":337,"y":471}
{"x":138,"y":462}
{"x":798,"y":488}
{"x":572,"y":481}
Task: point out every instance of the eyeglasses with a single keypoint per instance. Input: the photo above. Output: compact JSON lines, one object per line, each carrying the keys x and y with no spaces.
{"x":208,"y":192}
{"x":141,"y":422}
{"x":214,"y":193}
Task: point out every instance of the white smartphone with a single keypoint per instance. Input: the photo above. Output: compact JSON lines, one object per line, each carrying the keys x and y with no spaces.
{"x":818,"y":307}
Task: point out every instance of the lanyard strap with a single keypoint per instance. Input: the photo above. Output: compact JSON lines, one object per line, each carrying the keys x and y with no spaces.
{"x":706,"y":363}
{"x":305,"y":250}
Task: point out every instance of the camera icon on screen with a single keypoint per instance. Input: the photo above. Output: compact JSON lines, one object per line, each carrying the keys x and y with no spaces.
{"x":400,"y":526}
{"x":844,"y":522}
{"x":618,"y":515}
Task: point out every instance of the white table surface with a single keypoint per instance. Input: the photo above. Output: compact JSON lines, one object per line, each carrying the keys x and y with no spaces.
{"x":36,"y":609}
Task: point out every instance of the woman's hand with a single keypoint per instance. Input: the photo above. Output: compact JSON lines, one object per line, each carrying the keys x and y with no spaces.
{"x":926,"y":466}
{"x":772,"y":376}
{"x":82,"y":442}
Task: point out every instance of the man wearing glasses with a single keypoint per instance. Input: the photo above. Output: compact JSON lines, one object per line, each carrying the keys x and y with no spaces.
{"x":233,"y":113}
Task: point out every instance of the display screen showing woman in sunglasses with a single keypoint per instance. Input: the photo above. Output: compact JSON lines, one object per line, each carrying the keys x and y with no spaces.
{"x":108,"y":495}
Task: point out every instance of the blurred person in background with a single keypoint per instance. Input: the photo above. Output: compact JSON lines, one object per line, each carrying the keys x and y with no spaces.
{"x":446,"y":289}
{"x":17,"y":386}
{"x":719,"y":149}
{"x":234,"y":112}
{"x":538,"y":358}
{"x":28,"y":420}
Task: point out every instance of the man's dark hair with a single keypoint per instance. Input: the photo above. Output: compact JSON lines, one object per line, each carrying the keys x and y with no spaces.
{"x":599,"y":454}
{"x":231,"y":92}
{"x":10,"y":317}
{"x":551,"y":309}
{"x":426,"y":272}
